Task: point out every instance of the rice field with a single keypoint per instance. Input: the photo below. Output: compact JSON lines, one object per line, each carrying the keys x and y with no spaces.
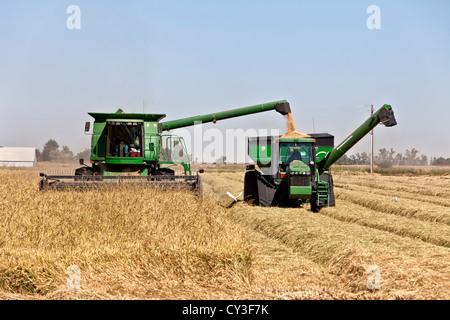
{"x":139,"y":243}
{"x":398,"y":223}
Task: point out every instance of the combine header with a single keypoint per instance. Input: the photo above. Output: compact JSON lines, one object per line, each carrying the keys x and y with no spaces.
{"x":133,"y":148}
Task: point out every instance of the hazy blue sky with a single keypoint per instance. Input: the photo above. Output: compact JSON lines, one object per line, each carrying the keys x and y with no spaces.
{"x":185,"y":58}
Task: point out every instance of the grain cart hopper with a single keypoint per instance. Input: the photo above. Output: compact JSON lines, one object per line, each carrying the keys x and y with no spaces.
{"x":133,"y":147}
{"x":295,"y":170}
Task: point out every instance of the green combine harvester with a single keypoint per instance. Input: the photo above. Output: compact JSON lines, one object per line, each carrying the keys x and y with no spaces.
{"x":134,"y":148}
{"x":293,"y":171}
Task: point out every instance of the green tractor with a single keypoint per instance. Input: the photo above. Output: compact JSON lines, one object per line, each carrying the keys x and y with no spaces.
{"x":134,"y":147}
{"x":296,"y":170}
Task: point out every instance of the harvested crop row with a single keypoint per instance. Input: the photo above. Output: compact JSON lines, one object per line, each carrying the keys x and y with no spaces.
{"x":431,"y":232}
{"x":216,"y":186}
{"x":409,"y":268}
{"x":280,"y":272}
{"x":436,"y":186}
{"x":391,"y":192}
{"x":408,"y":208}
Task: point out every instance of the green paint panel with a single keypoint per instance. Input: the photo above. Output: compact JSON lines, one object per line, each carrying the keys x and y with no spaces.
{"x":261,"y":153}
{"x":300,"y":192}
{"x":126,"y":116}
{"x":322,"y":152}
{"x":98,"y":145}
{"x":124,"y":160}
{"x":298,"y":166}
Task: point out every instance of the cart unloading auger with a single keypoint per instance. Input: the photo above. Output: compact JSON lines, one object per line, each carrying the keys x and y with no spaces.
{"x":294,"y":168}
{"x":124,"y":143}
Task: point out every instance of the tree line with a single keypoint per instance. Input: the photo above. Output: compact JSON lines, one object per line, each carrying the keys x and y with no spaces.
{"x":389,"y":158}
{"x":385,"y":158}
{"x":52,"y":153}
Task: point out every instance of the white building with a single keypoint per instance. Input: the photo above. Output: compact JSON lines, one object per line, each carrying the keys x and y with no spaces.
{"x":17,"y":157}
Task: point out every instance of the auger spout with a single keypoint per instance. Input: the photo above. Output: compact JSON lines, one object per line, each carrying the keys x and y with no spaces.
{"x":384,"y":115}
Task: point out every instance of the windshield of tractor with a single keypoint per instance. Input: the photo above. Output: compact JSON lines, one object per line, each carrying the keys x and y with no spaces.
{"x":124,"y":139}
{"x":290,"y":151}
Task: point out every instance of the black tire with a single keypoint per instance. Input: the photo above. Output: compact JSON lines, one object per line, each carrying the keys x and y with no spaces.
{"x":165,"y":172}
{"x":84,"y":171}
{"x":251,"y":187}
{"x":41,"y":185}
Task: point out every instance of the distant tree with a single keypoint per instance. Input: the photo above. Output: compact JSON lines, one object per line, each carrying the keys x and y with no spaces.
{"x":344,"y":160}
{"x":50,"y":151}
{"x":38,"y":155}
{"x":385,"y":158}
{"x":364,"y":158}
{"x":440,"y":161}
{"x":423,"y":160}
{"x":388,"y":158}
{"x":360,"y":158}
{"x":398,"y":159}
{"x":411,"y":157}
{"x":65,"y":155}
{"x":385,"y":155}
{"x":86,"y":154}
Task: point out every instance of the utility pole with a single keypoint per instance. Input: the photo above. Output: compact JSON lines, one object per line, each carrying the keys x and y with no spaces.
{"x":371,"y":142}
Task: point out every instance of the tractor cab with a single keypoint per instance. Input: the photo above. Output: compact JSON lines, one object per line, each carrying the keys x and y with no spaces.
{"x":296,"y":150}
{"x":288,"y":169}
{"x":297,"y":166}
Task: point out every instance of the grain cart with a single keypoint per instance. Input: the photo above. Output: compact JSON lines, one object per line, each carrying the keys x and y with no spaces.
{"x":295,"y":170}
{"x":133,"y":147}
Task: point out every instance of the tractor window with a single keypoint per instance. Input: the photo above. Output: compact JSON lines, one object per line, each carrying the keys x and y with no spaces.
{"x":124,"y":139}
{"x":290,"y":151}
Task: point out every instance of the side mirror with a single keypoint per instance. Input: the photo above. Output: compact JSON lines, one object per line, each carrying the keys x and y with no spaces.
{"x":87,"y":126}
{"x":201,"y":170}
{"x":81,"y":161}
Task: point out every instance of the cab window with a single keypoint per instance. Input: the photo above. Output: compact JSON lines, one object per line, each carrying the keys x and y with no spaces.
{"x":124,"y":139}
